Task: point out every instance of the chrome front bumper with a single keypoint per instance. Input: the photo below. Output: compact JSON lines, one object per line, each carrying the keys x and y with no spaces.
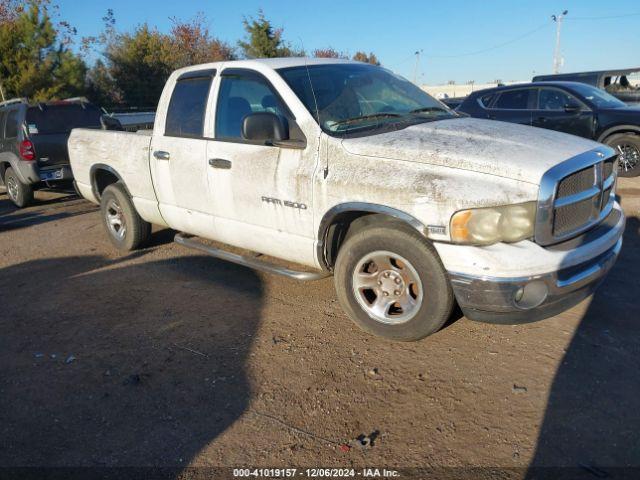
{"x":531,"y":298}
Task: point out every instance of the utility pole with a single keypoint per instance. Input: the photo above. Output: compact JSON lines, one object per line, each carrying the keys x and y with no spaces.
{"x":415,"y":69}
{"x":557,"y":58}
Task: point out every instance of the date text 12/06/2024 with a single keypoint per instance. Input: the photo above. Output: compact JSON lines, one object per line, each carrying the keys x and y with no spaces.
{"x":315,"y":472}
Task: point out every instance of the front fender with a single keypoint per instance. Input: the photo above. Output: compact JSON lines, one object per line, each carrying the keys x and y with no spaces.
{"x":618,"y":129}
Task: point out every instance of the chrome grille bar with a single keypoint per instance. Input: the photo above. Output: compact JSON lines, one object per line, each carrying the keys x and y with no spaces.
{"x":560,"y":218}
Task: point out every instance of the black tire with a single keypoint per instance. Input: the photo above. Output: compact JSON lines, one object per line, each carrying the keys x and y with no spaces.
{"x":21,"y":194}
{"x":629,"y":143}
{"x":436,"y":304}
{"x":116,"y":204}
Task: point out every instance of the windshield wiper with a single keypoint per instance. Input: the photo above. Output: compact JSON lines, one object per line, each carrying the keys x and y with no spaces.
{"x":366,"y":117}
{"x":429,"y":109}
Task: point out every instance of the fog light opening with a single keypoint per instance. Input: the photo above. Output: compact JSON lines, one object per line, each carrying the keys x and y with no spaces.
{"x":531,"y":295}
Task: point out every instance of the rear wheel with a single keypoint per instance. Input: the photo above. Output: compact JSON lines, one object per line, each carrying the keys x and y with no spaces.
{"x":21,"y":194}
{"x":391,"y":282}
{"x":126,"y":229}
{"x":627,"y":146}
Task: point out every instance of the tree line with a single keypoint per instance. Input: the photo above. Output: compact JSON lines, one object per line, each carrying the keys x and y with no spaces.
{"x":40,"y":59}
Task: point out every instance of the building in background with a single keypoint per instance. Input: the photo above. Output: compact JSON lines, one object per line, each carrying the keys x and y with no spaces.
{"x":455,"y":90}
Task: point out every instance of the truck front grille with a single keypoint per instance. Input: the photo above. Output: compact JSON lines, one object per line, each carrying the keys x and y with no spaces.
{"x":575,"y":195}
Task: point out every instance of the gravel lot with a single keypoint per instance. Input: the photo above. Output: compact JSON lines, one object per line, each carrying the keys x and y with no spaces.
{"x":168,"y":358}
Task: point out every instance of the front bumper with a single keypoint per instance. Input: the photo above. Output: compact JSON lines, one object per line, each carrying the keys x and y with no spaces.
{"x":528,"y":298}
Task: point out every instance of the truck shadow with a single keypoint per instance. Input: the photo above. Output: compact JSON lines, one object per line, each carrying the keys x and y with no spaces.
{"x":13,"y":218}
{"x":113,"y":365}
{"x":592,"y":419}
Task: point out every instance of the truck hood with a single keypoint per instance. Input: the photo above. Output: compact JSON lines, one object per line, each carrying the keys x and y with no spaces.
{"x":497,"y":148}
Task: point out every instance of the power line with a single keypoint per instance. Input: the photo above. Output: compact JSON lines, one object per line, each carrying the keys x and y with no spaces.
{"x":500,"y":45}
{"x":606,"y":17}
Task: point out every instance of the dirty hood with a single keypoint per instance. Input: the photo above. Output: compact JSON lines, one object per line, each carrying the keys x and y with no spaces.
{"x":496,"y":148}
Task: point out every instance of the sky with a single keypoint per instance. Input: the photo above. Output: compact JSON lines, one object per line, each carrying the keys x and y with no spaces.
{"x":459,"y":41}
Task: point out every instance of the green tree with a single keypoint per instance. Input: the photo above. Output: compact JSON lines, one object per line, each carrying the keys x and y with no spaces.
{"x":136,"y":65}
{"x":363,"y":57}
{"x":265,"y":41}
{"x":35,"y":58}
{"x":139,"y":65}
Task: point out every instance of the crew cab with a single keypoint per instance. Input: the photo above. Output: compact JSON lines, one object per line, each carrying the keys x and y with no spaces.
{"x":345,"y":168}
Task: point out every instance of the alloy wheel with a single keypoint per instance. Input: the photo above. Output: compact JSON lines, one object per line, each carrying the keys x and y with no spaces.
{"x":387,"y":287}
{"x":628,"y":158}
{"x":115,"y":220}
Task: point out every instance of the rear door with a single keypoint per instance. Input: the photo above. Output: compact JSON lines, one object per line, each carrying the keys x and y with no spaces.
{"x":514,"y":105}
{"x":178,"y":156}
{"x":559,"y":110}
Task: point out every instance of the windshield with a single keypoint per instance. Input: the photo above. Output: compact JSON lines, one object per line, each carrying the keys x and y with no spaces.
{"x":62,"y":118}
{"x":598,"y":97}
{"x":358,"y":97}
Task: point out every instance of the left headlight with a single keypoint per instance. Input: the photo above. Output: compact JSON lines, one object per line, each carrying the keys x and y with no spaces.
{"x":484,"y":226}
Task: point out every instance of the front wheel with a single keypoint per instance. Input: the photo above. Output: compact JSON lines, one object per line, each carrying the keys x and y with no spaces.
{"x":21,"y":194}
{"x":627,"y":146}
{"x":391,"y":283}
{"x":126,"y":229}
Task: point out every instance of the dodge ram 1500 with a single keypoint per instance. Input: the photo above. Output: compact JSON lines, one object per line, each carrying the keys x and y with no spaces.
{"x":348,"y":169}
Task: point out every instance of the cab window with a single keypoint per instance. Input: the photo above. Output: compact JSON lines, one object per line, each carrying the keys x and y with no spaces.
{"x":242,"y":94}
{"x":513,"y":100}
{"x":187,"y":107}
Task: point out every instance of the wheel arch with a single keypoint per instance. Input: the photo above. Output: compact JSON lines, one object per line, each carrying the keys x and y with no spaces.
{"x":618,"y":129}
{"x":336,"y":221}
{"x":102,"y":176}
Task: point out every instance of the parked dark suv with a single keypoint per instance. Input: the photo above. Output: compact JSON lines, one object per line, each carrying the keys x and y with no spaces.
{"x":622,"y":84}
{"x":33,"y":143}
{"x":570,"y":107}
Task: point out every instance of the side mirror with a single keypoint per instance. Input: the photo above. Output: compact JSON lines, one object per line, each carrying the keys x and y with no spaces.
{"x":110,"y":123}
{"x":572,"y":108}
{"x":264,"y":126}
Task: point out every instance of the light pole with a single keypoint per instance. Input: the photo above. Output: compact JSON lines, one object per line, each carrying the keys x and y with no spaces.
{"x":557,"y":59}
{"x":415,"y":69}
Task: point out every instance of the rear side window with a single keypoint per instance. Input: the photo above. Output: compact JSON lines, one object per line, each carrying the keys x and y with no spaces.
{"x":3,"y":115}
{"x":187,"y":107}
{"x":513,"y":100}
{"x":11,"y":130}
{"x":485,"y":100}
{"x":56,"y":119}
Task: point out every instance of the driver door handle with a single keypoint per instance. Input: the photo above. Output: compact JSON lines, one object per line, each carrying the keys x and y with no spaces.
{"x":220,"y":163}
{"x":160,"y":155}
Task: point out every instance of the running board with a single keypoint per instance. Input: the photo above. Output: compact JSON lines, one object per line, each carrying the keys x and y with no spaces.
{"x":251,"y":262}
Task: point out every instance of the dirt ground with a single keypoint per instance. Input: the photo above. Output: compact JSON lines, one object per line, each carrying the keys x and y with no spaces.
{"x":168,"y":358}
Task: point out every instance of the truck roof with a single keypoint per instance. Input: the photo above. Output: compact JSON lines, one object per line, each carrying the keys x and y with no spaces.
{"x":273,"y":63}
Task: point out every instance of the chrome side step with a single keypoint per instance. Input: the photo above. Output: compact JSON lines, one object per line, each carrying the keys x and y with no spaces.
{"x":189,"y":242}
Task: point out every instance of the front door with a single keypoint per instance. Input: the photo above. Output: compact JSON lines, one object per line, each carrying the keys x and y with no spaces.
{"x":178,"y":157}
{"x":559,"y":110}
{"x":261,"y":194}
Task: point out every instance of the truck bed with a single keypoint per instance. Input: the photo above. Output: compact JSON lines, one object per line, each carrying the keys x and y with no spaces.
{"x":125,"y":154}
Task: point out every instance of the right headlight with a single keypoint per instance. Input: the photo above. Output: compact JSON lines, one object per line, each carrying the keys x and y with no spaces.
{"x":484,"y":226}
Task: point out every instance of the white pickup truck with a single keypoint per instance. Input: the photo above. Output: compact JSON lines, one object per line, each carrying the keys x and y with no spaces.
{"x":348,"y":169}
